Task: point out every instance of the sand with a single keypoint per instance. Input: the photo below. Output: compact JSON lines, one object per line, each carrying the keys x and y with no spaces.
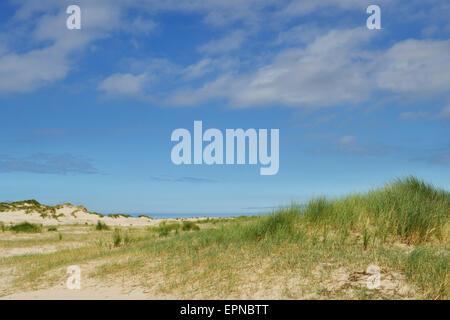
{"x":69,"y":214}
{"x":89,"y":293}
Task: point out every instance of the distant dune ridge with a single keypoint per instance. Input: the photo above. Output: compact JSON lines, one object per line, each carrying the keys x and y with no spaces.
{"x":34,"y":212}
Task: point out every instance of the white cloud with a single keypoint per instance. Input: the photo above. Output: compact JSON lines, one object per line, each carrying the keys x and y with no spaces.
{"x":300,"y":34}
{"x":215,"y":12}
{"x":152,"y":66}
{"x":198,"y":69}
{"x":297,"y":8}
{"x":334,"y":69}
{"x":208,"y":66}
{"x":141,"y":26}
{"x":415,"y":66}
{"x":445,"y":113}
{"x":58,"y":47}
{"x":326,"y":72}
{"x":124,"y":84}
{"x":230,"y":42}
{"x":330,"y":69}
{"x":346,"y":140}
{"x":30,"y":70}
{"x":22,"y":73}
{"x":413,"y":115}
{"x":353,"y":144}
{"x":350,"y":144}
{"x":217,"y":89}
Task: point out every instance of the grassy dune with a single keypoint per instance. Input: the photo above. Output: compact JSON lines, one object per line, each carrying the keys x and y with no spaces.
{"x":319,"y":250}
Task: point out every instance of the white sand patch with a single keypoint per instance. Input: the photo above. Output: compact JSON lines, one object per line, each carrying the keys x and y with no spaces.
{"x":68,"y":214}
{"x":87,"y":293}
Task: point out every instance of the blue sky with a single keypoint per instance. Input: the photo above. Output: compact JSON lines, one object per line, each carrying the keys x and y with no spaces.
{"x":87,"y":114}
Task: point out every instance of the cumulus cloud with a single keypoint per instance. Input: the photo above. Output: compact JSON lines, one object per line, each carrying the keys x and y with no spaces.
{"x":414,"y":66}
{"x":323,"y":70}
{"x":26,"y":71}
{"x":330,"y":70}
{"x":57,"y":46}
{"x":22,"y":73}
{"x":124,"y":84}
{"x":334,"y":69}
{"x":143,"y":74}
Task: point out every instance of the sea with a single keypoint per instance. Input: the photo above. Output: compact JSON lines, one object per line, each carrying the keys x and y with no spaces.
{"x":192,"y":215}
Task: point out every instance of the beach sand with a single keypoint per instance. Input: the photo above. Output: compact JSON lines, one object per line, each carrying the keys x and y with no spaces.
{"x":68,"y":214}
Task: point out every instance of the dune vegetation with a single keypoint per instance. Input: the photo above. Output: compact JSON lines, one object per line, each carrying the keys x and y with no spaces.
{"x":320,"y":250}
{"x":26,"y":227}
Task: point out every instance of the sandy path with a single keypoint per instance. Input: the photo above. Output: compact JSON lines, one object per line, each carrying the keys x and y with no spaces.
{"x":87,"y":293}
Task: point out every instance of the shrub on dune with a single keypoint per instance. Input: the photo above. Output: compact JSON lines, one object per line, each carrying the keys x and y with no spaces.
{"x":26,"y":227}
{"x":101,"y":226}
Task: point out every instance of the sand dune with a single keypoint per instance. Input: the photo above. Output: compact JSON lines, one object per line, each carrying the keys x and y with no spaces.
{"x":68,"y":214}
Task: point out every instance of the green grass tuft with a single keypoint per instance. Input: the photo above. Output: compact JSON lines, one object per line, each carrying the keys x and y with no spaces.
{"x":407,"y":209}
{"x":101,"y":226}
{"x":430,"y":269}
{"x":117,"y":238}
{"x":26,"y":227}
{"x":189,"y":225}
